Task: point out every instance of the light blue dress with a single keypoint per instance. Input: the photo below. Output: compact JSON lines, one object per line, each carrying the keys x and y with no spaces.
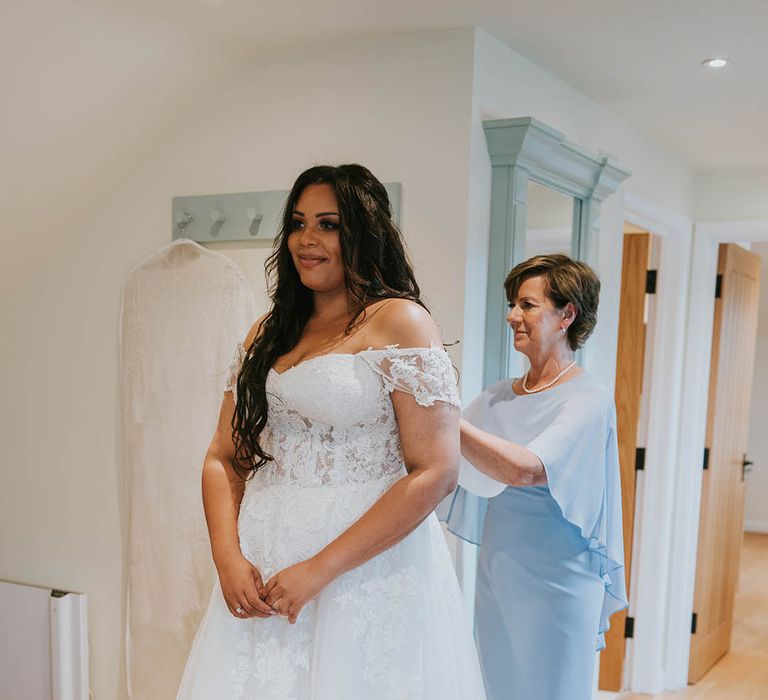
{"x":551,"y":569}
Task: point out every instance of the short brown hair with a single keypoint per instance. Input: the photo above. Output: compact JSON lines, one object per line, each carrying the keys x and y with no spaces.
{"x":566,"y":280}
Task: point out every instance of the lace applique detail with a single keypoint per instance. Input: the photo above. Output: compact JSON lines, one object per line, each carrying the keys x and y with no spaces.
{"x":234,"y":369}
{"x":381,"y":603}
{"x":272,"y":656}
{"x":384,"y":600}
{"x":425,"y":373}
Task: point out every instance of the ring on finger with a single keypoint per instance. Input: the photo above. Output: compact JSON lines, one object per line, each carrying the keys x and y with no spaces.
{"x":239,"y":610}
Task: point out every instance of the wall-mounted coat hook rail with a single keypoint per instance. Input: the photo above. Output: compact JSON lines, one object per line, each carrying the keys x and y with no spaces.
{"x":242,"y":216}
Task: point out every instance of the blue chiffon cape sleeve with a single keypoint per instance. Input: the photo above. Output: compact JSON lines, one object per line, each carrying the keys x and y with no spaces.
{"x":579,"y":451}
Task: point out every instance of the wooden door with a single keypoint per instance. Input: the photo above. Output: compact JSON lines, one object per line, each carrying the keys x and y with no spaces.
{"x":722,"y":494}
{"x":630,"y":364}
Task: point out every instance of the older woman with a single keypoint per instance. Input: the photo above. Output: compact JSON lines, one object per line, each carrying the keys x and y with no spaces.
{"x":544,"y":446}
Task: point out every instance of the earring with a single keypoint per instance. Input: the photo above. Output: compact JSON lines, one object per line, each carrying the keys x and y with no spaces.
{"x":564,"y":328}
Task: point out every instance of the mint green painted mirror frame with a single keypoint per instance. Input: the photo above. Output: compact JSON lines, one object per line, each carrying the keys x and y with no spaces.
{"x":526,"y":149}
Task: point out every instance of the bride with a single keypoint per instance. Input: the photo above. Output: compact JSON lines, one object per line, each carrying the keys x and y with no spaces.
{"x":338,"y":435}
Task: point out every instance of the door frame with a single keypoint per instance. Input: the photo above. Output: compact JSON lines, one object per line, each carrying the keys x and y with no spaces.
{"x":645,"y":665}
{"x":693,"y":419}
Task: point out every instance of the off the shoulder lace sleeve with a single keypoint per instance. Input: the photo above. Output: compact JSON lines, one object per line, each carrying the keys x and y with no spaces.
{"x":234,"y":369}
{"x":425,"y":373}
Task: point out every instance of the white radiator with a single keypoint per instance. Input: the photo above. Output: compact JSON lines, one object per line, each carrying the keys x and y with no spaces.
{"x":43,"y":644}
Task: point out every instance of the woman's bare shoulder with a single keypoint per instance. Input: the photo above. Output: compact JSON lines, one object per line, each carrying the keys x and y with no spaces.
{"x":401,"y":322}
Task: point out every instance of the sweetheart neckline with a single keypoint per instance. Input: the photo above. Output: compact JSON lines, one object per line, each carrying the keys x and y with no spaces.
{"x":389,"y":348}
{"x":317,"y":357}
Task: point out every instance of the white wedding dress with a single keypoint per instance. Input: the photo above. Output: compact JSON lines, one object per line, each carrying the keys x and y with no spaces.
{"x":391,"y":629}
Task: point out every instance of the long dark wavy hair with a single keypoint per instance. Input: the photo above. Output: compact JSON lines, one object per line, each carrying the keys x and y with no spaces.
{"x":376,"y":266}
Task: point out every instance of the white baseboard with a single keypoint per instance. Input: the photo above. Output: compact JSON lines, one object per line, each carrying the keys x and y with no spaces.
{"x":760,"y":526}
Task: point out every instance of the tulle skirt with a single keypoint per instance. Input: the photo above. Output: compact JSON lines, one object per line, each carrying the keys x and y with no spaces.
{"x":391,"y":629}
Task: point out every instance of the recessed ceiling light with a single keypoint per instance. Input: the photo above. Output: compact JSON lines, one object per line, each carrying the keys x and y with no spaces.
{"x":715,"y":62}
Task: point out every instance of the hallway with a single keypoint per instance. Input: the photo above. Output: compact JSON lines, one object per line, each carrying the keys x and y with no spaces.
{"x":743,"y":673}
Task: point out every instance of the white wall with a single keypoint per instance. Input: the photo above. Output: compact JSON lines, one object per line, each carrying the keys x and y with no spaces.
{"x":400,"y":105}
{"x":738,"y":195}
{"x":86,"y":87}
{"x":756,"y":499}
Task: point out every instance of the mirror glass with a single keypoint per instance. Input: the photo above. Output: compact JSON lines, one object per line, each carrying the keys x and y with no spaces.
{"x":550,"y":221}
{"x":551,"y":217}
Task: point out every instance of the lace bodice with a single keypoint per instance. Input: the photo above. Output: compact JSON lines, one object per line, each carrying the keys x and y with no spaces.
{"x":331,"y":420}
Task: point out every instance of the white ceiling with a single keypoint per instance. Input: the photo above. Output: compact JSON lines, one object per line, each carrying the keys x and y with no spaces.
{"x":640,"y":59}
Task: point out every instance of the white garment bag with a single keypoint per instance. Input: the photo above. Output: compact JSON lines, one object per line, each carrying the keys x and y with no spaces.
{"x":185,"y":309}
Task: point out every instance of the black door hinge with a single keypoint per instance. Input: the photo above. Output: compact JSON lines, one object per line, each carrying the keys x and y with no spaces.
{"x":693,"y":623}
{"x":650,"y":281}
{"x":718,"y":286}
{"x":629,"y":627}
{"x":745,"y":466}
{"x":706,"y":458}
{"x":640,"y":458}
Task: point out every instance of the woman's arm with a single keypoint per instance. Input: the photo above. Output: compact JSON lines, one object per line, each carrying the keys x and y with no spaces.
{"x":430,"y":444}
{"x":500,"y":459}
{"x":223,"y":491}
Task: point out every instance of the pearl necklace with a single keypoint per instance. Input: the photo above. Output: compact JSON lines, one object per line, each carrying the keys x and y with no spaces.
{"x":548,"y":384}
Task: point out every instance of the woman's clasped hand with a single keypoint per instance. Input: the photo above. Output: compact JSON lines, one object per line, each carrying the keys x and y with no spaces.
{"x":286,"y":593}
{"x":243,"y":588}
